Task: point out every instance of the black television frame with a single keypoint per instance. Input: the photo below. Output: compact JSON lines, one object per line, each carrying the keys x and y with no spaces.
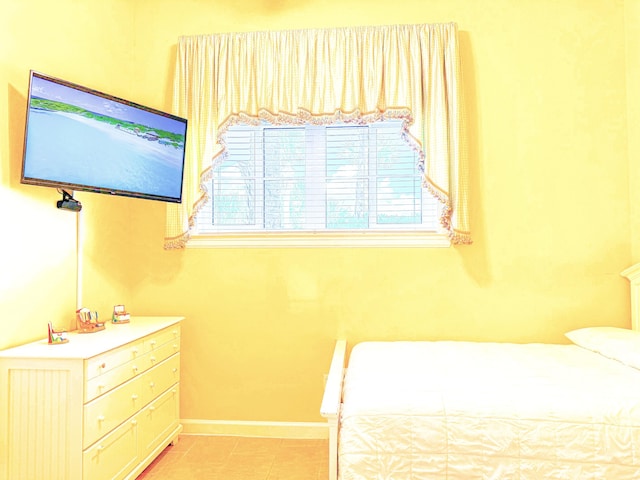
{"x":63,"y":186}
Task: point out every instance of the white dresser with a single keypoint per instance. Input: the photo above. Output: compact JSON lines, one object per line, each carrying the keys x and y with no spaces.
{"x":102,"y":406}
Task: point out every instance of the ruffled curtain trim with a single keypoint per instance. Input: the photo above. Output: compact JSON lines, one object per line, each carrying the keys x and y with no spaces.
{"x":361,"y":75}
{"x":305,"y":118}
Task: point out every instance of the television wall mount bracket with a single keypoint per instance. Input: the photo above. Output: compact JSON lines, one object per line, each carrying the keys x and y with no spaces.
{"x":68,"y":202}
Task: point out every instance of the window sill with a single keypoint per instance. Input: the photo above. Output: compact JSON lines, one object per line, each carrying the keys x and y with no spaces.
{"x":350,"y":239}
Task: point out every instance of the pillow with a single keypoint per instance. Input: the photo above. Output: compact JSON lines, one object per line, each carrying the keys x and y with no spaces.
{"x":619,"y":344}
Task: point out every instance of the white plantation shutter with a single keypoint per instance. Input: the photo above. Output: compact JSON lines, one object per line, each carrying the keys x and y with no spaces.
{"x":334,"y":178}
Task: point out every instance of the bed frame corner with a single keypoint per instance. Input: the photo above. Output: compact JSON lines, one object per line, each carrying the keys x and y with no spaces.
{"x":633,"y":274}
{"x":332,"y":402}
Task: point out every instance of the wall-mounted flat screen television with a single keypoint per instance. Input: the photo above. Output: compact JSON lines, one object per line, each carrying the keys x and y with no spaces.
{"x":80,"y":139}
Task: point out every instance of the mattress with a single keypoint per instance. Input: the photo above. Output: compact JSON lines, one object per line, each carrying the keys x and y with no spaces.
{"x":464,"y":410}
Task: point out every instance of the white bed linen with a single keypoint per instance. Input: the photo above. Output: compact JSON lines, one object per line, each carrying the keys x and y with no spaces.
{"x":463,"y":410}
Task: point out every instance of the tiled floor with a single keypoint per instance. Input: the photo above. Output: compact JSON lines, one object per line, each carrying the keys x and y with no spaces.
{"x":197,"y":457}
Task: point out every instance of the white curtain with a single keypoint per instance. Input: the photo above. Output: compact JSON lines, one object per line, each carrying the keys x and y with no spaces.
{"x":357,"y":75}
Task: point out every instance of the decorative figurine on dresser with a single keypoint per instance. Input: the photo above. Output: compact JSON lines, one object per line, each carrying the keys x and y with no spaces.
{"x":120,"y":315}
{"x":97,"y":407}
{"x":87,"y":321}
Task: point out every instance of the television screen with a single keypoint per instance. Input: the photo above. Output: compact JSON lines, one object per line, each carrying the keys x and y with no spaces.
{"x":80,"y":139}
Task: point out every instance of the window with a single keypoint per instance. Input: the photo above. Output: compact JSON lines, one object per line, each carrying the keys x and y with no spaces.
{"x":419,"y":78}
{"x":332,"y":181}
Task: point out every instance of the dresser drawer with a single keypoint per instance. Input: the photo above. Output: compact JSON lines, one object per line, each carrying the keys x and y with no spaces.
{"x":158,"y":419}
{"x":114,"y":455}
{"x":156,"y":356}
{"x":109,"y":380}
{"x":112,"y":378}
{"x":160,"y":378}
{"x":101,"y":364}
{"x":162,"y":337}
{"x":104,"y":363}
{"x":111,"y":409}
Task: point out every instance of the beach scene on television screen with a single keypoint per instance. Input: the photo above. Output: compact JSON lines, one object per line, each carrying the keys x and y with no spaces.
{"x":76,"y":137}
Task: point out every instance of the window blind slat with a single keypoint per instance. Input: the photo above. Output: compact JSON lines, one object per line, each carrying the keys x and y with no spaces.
{"x":338,"y":177}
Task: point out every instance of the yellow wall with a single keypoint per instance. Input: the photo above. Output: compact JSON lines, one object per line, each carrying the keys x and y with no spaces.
{"x":82,"y":42}
{"x":553,"y":220}
{"x":632,"y":20}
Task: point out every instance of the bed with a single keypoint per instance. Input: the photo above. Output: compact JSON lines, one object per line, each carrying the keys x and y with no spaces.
{"x":480,"y":410}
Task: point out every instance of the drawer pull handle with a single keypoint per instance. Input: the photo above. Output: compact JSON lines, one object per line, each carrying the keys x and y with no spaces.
{"x":134,"y":397}
{"x":100,"y":448}
{"x":101,"y":418}
{"x":152,"y":408}
{"x":134,"y":422}
{"x":174,"y":370}
{"x":100,"y":387}
{"x":102,"y":365}
{"x":175,"y":346}
{"x":175,"y":333}
{"x":153,"y":343}
{"x":153,"y":359}
{"x":135,"y":368}
{"x":174,"y":391}
{"x":152,"y":385}
{"x":134,"y":351}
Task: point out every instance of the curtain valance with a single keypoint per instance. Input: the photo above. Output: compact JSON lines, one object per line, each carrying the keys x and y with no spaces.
{"x":322,"y":76}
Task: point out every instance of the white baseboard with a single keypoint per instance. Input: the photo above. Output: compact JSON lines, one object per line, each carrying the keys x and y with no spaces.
{"x":304,"y":430}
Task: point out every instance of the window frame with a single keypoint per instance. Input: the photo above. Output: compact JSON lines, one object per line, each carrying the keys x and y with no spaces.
{"x":377,"y":237}
{"x":317,"y":239}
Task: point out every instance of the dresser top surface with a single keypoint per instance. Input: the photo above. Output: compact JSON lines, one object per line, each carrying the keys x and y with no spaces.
{"x":87,"y":345}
